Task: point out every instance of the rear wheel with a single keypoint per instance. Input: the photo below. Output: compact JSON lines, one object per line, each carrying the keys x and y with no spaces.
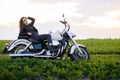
{"x":19,"y":49}
{"x":76,"y":55}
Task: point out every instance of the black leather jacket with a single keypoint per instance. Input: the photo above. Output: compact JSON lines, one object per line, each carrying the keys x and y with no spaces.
{"x":28,"y":28}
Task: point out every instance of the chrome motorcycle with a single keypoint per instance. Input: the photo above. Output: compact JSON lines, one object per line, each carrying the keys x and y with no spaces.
{"x":62,"y":43}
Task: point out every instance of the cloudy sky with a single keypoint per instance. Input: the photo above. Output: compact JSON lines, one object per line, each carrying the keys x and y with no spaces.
{"x":88,"y":18}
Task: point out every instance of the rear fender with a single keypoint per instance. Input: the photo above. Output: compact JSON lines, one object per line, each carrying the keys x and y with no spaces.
{"x":14,"y":43}
{"x":72,"y":48}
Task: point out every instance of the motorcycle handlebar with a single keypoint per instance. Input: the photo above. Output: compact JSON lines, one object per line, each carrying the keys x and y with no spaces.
{"x":66,"y":25}
{"x":63,"y":22}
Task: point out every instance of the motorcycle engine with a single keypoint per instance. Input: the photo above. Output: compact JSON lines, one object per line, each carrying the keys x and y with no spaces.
{"x":56,"y":45}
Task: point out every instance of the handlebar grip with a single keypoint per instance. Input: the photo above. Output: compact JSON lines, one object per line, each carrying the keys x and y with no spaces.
{"x":63,"y":22}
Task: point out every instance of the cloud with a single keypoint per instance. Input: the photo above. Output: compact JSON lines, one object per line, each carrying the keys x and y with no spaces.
{"x":115,"y":14}
{"x":110,"y":19}
{"x":105,"y":22}
{"x":85,"y":16}
{"x":11,"y":12}
{"x":51,"y":1}
{"x":97,"y":7}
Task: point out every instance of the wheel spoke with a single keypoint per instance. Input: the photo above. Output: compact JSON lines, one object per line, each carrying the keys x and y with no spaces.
{"x":80,"y":56}
{"x":19,"y":49}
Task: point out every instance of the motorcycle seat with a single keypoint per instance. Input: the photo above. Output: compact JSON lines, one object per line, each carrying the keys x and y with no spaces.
{"x":22,"y":37}
{"x":33,"y":40}
{"x":29,"y":39}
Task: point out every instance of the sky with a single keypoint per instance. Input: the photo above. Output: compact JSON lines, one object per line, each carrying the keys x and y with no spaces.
{"x":88,"y":18}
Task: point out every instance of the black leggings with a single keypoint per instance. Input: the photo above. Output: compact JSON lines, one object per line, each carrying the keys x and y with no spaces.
{"x":43,"y":37}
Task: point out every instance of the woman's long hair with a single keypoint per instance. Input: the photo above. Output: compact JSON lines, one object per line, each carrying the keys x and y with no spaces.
{"x":21,"y":22}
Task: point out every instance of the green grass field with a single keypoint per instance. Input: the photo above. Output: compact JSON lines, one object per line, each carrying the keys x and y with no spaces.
{"x":104,"y":64}
{"x":99,"y":67}
{"x":95,"y":46}
{"x":102,"y":46}
{"x":2,"y":44}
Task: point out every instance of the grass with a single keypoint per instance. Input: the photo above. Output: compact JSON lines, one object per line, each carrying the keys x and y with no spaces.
{"x":103,"y":65}
{"x":102,"y":46}
{"x":2,"y":44}
{"x":95,"y":46}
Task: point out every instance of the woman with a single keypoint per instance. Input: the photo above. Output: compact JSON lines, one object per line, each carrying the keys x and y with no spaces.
{"x":27,"y":30}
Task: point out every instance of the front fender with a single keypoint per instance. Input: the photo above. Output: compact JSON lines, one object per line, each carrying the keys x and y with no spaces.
{"x":72,"y":48}
{"x":17,"y":42}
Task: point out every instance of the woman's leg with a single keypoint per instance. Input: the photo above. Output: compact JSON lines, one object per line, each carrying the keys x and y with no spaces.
{"x":44,"y":37}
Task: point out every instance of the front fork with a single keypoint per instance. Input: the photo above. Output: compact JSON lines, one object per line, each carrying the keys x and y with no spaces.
{"x":80,"y":52}
{"x":74,"y":42}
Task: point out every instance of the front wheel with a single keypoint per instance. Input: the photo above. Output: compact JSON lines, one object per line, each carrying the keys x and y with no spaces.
{"x":76,"y":55}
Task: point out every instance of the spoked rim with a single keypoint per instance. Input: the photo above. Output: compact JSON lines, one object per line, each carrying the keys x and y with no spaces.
{"x":81,"y":56}
{"x":20,"y":49}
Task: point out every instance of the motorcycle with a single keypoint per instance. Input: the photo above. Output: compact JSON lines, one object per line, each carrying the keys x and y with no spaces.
{"x":61,"y":42}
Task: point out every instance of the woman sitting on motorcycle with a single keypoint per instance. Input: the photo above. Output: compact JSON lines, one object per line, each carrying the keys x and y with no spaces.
{"x":27,"y":30}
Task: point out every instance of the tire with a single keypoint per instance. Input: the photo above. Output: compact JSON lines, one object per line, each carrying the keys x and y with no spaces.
{"x":19,"y":49}
{"x":75,"y":55}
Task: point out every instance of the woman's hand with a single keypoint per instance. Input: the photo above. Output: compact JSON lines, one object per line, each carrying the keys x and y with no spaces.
{"x":29,"y":33}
